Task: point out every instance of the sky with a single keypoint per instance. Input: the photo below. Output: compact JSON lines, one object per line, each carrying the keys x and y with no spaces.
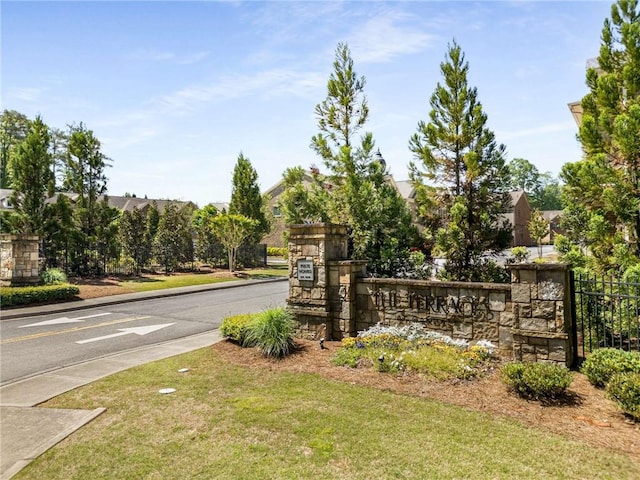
{"x":176,"y":90}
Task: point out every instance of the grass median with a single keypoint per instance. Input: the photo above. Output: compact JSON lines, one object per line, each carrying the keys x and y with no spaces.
{"x":227,"y":421}
{"x":160,"y":282}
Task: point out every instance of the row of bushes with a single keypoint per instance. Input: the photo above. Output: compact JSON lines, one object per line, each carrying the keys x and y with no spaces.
{"x":53,"y":287}
{"x":271,"y":331}
{"x":277,"y":252}
{"x":618,"y":372}
{"x":12,"y":296}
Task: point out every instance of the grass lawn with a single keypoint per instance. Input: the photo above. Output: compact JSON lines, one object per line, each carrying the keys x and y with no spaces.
{"x":145,"y":284}
{"x":231,"y":422}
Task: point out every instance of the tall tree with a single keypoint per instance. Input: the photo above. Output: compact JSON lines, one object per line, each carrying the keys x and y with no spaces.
{"x":134,"y":237}
{"x":607,"y":180}
{"x":85,"y":174}
{"x":246,"y":198}
{"x":33,"y":179}
{"x":355,"y":191}
{"x":14,"y":127}
{"x":172,"y":244}
{"x":208,"y":248}
{"x":459,"y":154}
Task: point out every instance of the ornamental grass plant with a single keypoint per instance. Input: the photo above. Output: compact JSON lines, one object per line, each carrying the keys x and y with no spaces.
{"x":272,"y":332}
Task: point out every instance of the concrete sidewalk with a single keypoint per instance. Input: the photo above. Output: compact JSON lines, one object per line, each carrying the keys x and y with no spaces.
{"x":27,"y":431}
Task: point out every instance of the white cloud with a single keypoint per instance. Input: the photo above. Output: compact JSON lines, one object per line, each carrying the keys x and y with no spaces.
{"x":387,"y":36}
{"x":266,"y":84}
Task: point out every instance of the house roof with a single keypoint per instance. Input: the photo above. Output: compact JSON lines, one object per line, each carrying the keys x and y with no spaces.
{"x":121,"y":203}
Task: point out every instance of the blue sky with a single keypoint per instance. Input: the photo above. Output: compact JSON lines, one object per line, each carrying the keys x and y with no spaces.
{"x":176,"y":90}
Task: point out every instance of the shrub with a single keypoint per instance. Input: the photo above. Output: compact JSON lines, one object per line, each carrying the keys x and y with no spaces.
{"x":26,"y":295}
{"x":346,"y":357}
{"x":272,"y":332}
{"x":539,"y":381}
{"x":277,"y":252}
{"x":237,"y":328}
{"x":53,"y":276}
{"x":624,"y":389}
{"x":603,"y":363}
{"x":518,"y":255}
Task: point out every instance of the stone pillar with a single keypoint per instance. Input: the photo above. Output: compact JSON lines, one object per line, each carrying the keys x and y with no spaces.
{"x":541,"y":297}
{"x":311,"y":248}
{"x":19,"y":260}
{"x":343,"y":276}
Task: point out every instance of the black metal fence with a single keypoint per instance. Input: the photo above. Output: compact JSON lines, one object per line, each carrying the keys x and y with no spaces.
{"x":606,"y":312}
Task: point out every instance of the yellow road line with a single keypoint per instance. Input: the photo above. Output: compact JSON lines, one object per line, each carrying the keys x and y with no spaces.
{"x":70,"y":330}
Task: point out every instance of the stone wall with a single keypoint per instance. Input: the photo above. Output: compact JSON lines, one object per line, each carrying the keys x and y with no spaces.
{"x":528,"y":320}
{"x":470,"y":311}
{"x":19,"y":260}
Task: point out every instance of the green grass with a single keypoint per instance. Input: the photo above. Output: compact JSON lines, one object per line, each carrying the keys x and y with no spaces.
{"x":226,"y":421}
{"x":145,"y":284}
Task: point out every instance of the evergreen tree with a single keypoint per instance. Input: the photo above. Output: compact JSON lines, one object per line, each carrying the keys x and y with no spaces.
{"x":607,"y":180}
{"x":355,"y":192}
{"x":459,"y":154}
{"x":14,"y":127}
{"x":172,"y":244}
{"x":58,"y":232}
{"x":33,"y":179}
{"x":84,"y":175}
{"x":208,"y":248}
{"x":246,"y":198}
{"x":134,"y":237}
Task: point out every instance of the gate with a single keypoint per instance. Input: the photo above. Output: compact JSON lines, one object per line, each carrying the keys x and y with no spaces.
{"x":606,"y":313}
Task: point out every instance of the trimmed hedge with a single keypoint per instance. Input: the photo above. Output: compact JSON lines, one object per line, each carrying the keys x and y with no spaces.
{"x":277,"y":252}
{"x":11,"y":296}
{"x":237,"y":328}
{"x":539,"y":381}
{"x":603,"y":363}
{"x":624,"y":389}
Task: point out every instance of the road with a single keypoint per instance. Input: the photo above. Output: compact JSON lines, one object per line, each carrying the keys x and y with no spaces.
{"x":38,"y":344}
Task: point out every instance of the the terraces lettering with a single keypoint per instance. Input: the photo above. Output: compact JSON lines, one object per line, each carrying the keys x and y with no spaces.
{"x":466,"y":306}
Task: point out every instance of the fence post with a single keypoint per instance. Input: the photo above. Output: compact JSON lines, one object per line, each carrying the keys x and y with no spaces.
{"x":541,"y":296}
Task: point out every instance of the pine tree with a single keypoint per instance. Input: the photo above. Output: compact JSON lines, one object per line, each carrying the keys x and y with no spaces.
{"x":461,"y":176}
{"x":607,"y":180}
{"x":247,"y":200}
{"x":33,"y":179}
{"x":355,"y":192}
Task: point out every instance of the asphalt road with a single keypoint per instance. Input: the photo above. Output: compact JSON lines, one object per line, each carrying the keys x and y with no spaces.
{"x":34,"y":345}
